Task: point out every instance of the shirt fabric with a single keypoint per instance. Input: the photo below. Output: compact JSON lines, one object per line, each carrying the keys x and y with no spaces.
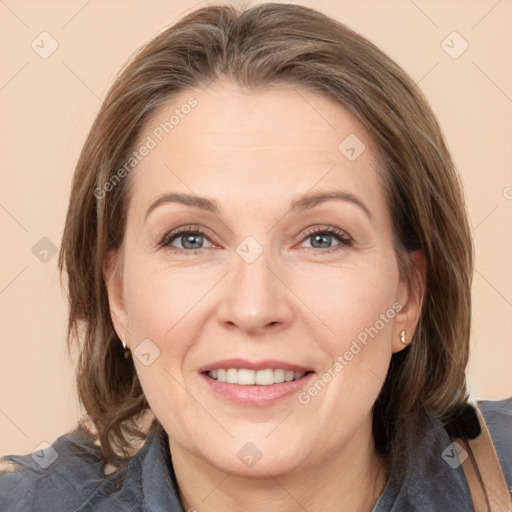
{"x":67,"y":476}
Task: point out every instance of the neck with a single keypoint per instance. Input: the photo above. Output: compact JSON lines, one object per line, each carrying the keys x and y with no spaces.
{"x":350,"y":480}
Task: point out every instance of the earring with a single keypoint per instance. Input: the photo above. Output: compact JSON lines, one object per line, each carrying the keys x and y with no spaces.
{"x":402,"y":337}
{"x":126,"y":349}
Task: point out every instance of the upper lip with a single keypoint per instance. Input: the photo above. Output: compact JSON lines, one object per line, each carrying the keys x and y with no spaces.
{"x":264,"y":364}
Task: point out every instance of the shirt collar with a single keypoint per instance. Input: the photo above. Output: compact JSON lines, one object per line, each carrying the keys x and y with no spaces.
{"x":159,"y":485}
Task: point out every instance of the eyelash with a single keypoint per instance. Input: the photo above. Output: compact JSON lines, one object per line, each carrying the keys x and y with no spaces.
{"x":343,"y":238}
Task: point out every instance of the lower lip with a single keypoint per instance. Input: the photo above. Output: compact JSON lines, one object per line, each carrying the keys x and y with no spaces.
{"x":256,"y":396}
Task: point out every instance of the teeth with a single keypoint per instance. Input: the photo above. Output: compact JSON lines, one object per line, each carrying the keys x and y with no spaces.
{"x":232,"y":376}
{"x":246,"y":377}
{"x":264,"y":377}
{"x":279,"y":376}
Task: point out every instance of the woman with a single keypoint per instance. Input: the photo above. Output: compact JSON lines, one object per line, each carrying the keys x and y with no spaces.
{"x":269,"y":268}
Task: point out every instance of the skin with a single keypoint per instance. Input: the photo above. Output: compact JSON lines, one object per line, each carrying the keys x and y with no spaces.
{"x":254,"y":152}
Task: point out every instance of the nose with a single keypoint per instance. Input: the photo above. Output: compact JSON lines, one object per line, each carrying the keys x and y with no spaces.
{"x":255,"y":298}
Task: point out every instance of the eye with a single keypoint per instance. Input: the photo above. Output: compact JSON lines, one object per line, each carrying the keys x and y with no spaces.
{"x":321,"y":238}
{"x":191,"y":239}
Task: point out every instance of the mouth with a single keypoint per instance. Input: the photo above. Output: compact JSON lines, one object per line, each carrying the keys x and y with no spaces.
{"x":255,"y":384}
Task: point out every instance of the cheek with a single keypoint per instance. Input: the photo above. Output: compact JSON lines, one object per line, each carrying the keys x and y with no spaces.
{"x":163,"y":306}
{"x":160,"y":299}
{"x":352,"y":303}
{"x":355,"y":309}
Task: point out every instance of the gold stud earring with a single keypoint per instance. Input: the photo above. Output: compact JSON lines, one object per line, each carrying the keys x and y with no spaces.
{"x":402,"y":337}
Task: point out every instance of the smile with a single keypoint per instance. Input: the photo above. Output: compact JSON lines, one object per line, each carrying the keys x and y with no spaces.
{"x":247,"y":377}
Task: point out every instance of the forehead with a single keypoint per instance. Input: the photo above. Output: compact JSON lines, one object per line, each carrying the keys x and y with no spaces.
{"x":259,"y":143}
{"x":227,"y":117}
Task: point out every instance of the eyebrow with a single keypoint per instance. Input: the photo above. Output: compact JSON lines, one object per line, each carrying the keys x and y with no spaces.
{"x":304,"y":202}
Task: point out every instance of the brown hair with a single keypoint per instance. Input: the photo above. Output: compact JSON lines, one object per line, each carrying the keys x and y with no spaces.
{"x":266,"y":45}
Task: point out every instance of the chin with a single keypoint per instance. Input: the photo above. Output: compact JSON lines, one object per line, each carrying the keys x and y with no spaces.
{"x":257,"y":459}
{"x":259,"y":468}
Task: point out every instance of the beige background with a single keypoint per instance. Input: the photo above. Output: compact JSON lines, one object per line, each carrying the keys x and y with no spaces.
{"x":48,"y":105}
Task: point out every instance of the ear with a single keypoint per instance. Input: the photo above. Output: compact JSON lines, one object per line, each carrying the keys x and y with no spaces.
{"x":112,"y":275}
{"x":411,"y":293}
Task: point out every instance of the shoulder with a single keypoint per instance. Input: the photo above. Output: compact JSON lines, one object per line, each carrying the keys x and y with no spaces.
{"x":60,"y":477}
{"x":498,"y":418}
{"x":68,"y":476}
{"x":434,"y":480}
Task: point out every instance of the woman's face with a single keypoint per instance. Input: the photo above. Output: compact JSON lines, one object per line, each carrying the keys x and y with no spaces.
{"x":256,"y":276}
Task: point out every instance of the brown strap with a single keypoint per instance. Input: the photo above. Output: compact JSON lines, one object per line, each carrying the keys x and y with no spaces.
{"x":489,"y":491}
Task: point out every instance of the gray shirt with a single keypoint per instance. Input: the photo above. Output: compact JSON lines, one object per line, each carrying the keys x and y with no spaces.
{"x":68,"y":476}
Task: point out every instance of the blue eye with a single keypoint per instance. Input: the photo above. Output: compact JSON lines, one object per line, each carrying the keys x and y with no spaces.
{"x":323,"y":238}
{"x":192,"y":239}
